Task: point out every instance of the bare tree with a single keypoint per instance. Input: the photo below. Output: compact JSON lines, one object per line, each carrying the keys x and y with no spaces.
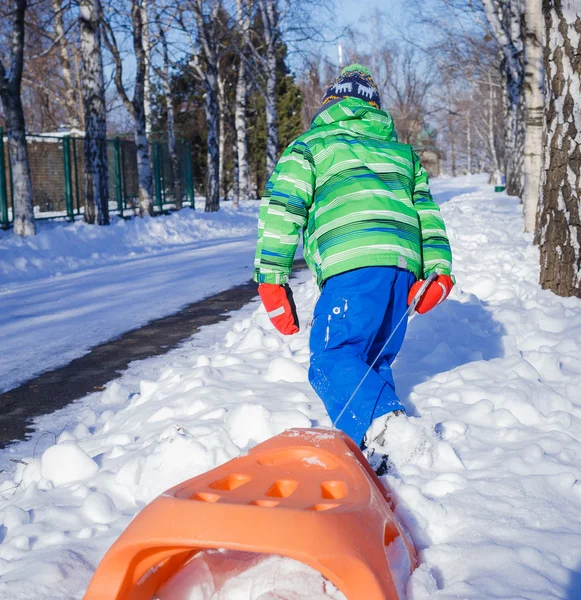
{"x":165,"y":77}
{"x":407,"y":87}
{"x":560,"y":218}
{"x":205,"y":63}
{"x":136,"y":106}
{"x":93,"y":90}
{"x":10,"y":94}
{"x":269,"y":23}
{"x":504,"y":19}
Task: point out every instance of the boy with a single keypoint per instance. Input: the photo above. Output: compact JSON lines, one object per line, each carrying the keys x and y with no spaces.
{"x":372,"y":233}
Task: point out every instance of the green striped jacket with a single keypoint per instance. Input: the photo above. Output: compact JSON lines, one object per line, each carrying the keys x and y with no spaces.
{"x":361,"y":199}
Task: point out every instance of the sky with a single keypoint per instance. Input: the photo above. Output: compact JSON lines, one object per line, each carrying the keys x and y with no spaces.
{"x":358,"y":14}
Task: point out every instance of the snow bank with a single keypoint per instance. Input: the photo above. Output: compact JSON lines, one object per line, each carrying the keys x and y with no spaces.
{"x":75,"y":286}
{"x":61,"y":248}
{"x":486,"y":471}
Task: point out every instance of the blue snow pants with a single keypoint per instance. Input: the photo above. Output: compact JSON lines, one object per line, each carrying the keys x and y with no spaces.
{"x":353,"y":318}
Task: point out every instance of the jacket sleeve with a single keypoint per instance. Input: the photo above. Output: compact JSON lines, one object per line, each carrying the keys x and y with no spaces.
{"x":283,"y":213}
{"x":436,"y":252}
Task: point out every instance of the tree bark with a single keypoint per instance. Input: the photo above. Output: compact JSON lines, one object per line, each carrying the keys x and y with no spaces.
{"x":222,"y":135}
{"x":139,"y":115}
{"x":534,"y":103}
{"x":213,"y":155}
{"x":10,"y":94}
{"x":147,"y":57}
{"x":176,"y":166}
{"x":93,"y":91}
{"x":491,"y":140}
{"x":560,"y":224}
{"x":268,"y":12}
{"x":65,"y":63}
{"x":241,"y":187}
{"x":469,"y":150}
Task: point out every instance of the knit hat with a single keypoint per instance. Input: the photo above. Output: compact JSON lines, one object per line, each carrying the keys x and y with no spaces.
{"x":355,"y":81}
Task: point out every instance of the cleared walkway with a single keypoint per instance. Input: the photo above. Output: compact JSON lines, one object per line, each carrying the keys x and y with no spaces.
{"x":57,"y":388}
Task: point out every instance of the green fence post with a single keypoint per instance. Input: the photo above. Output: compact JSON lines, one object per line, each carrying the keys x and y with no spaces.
{"x":123,"y":180}
{"x":76,"y":168}
{"x":4,"y":222}
{"x":188,"y":175}
{"x":157,"y":176}
{"x":118,"y":179}
{"x":162,"y":174}
{"x":68,"y":178}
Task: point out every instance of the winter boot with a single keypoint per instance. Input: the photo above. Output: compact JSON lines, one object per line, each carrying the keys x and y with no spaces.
{"x":373,"y":444}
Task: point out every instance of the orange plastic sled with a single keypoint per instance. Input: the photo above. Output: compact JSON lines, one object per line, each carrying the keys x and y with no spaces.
{"x":308,"y":494}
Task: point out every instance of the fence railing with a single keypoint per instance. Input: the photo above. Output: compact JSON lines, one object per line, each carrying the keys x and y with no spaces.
{"x":57,"y":172}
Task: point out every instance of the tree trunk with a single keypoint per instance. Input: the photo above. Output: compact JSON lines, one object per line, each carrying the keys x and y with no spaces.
{"x":144,"y":175}
{"x":147,"y":58}
{"x":176,"y":165}
{"x":560,"y":224}
{"x":491,"y":141}
{"x":469,"y":150}
{"x":65,"y":63}
{"x":241,"y":136}
{"x":514,"y":138}
{"x":139,"y":117}
{"x":222,"y":134}
{"x":270,"y":33}
{"x":534,"y":98}
{"x":241,"y":181}
{"x":10,"y":89}
{"x":93,"y":91}
{"x":22,"y":197}
{"x":213,"y":156}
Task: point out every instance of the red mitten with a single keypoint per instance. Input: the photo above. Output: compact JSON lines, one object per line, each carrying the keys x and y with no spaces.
{"x":280,"y":306}
{"x":437,"y":292}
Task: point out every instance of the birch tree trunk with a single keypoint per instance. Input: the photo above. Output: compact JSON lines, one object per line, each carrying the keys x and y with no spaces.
{"x":93,"y":92}
{"x":534,"y":103}
{"x":241,"y":187}
{"x":268,"y":12}
{"x":560,"y":224}
{"x":213,"y":154}
{"x":176,"y":166}
{"x":222,"y":135}
{"x":10,"y":89}
{"x":147,"y":55}
{"x":469,"y":149}
{"x":491,"y":141}
{"x":139,"y":113}
{"x":65,"y":63}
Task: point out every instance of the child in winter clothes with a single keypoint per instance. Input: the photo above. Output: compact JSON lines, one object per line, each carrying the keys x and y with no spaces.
{"x":371,"y":234}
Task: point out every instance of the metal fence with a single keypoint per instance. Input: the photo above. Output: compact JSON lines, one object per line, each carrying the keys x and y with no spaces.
{"x":57,"y":166}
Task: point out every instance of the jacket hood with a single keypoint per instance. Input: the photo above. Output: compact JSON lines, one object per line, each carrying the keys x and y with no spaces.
{"x":357,"y":116}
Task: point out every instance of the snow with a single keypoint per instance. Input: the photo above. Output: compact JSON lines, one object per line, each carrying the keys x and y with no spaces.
{"x":486,"y":469}
{"x":229,"y":575}
{"x":74,"y":286}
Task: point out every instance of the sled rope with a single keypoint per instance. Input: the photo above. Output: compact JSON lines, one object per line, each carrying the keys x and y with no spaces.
{"x":411,"y":313}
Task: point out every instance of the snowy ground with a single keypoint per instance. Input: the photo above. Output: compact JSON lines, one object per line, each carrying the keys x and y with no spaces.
{"x":74,"y":286}
{"x":487,"y":471}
